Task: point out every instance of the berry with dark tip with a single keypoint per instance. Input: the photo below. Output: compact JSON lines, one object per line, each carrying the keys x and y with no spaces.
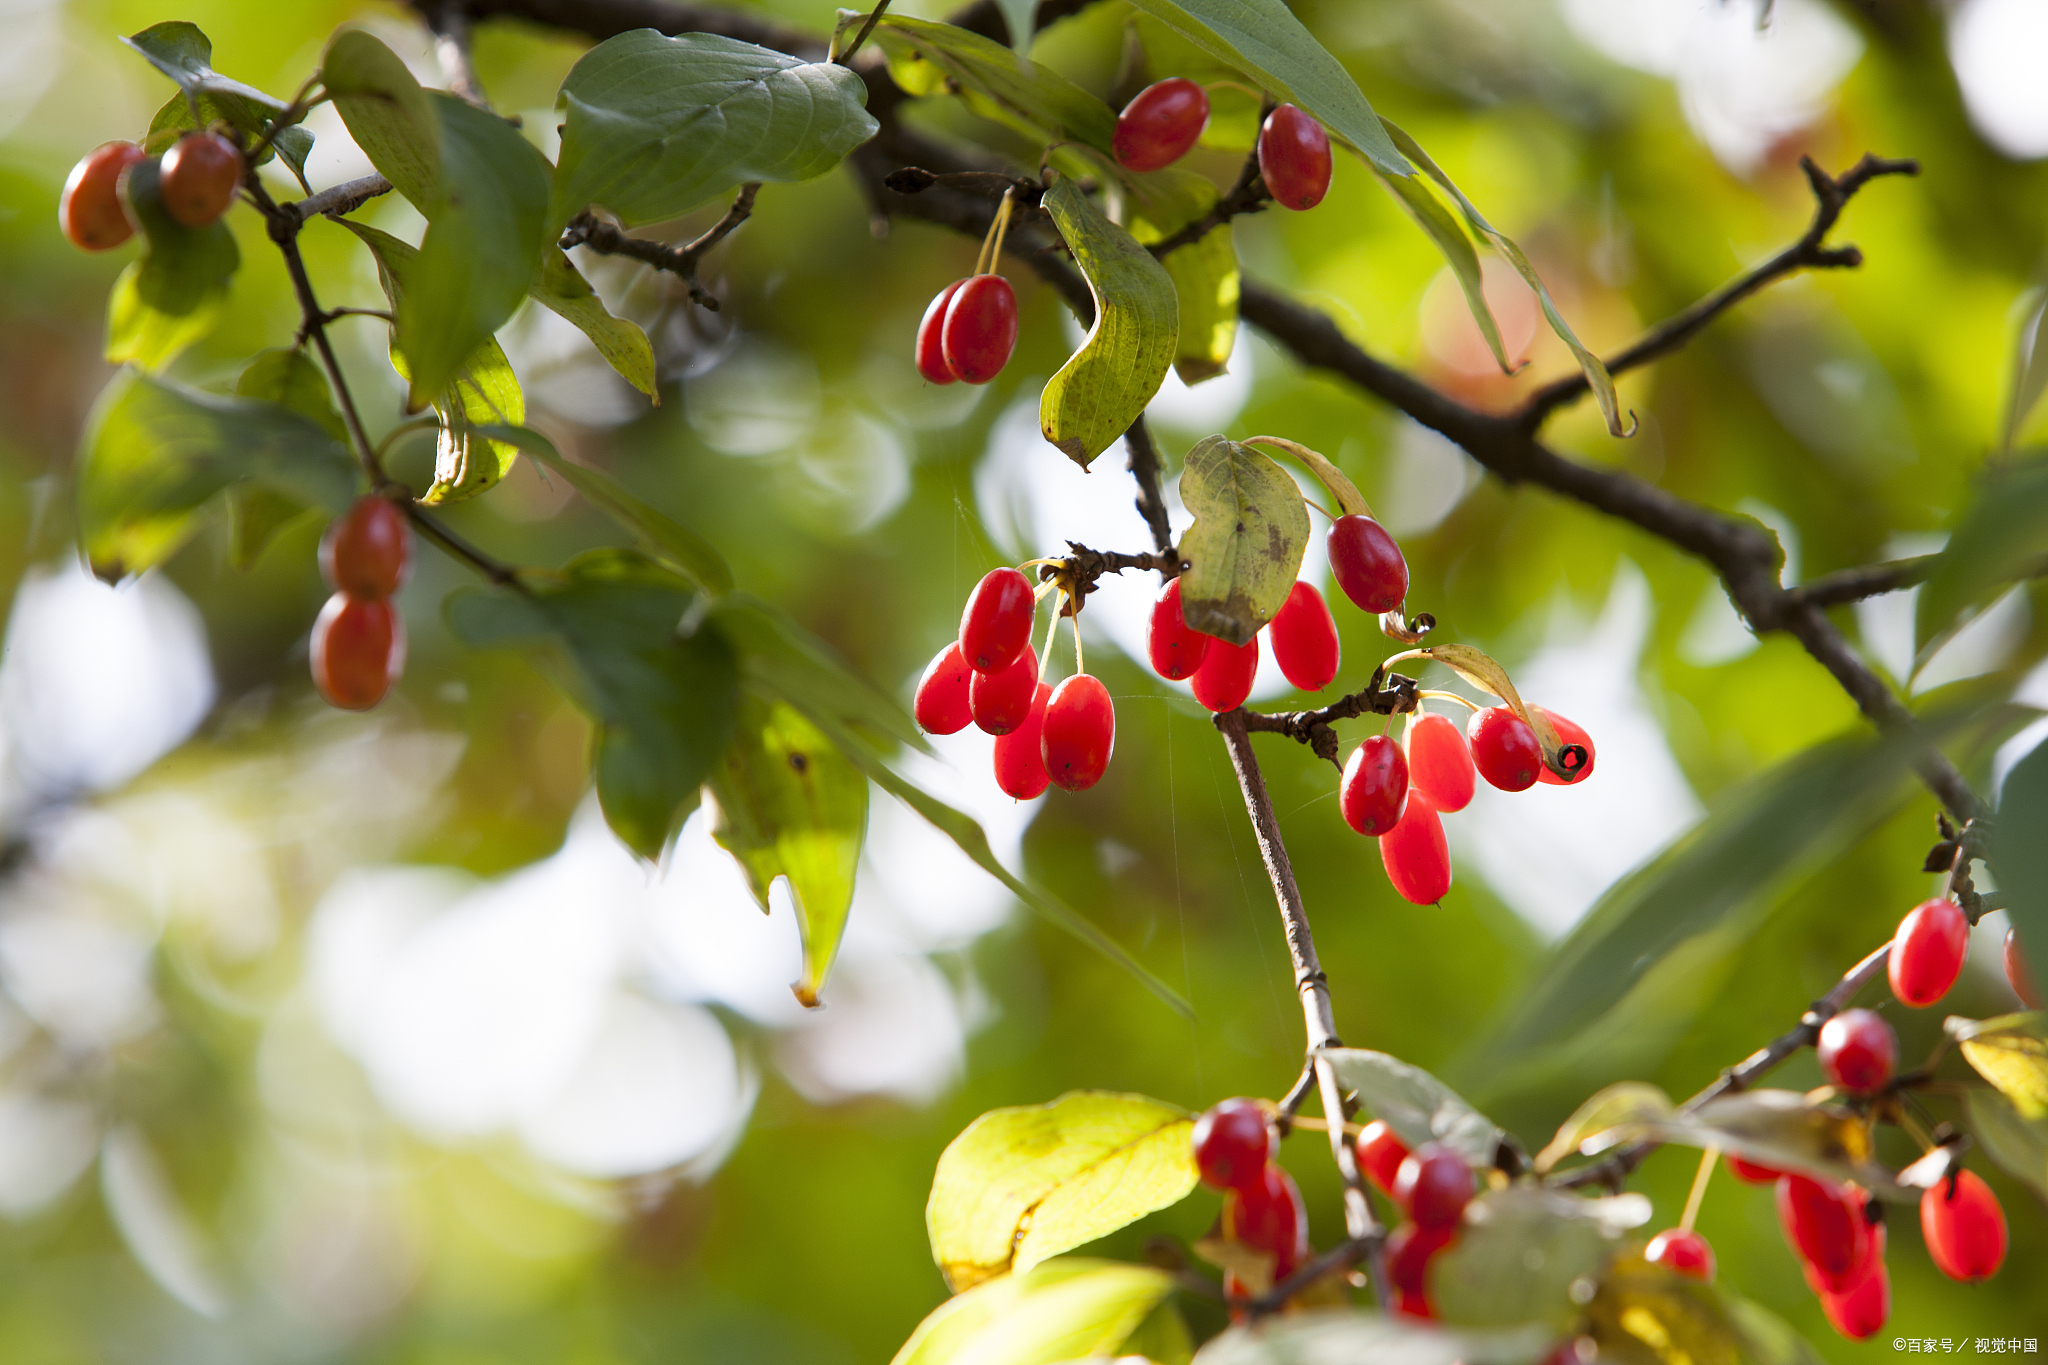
{"x":1964,"y":1227}
{"x":1367,"y":564}
{"x":995,"y":625}
{"x":1374,"y":789}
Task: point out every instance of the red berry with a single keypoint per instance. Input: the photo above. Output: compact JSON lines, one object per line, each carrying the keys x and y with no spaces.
{"x":1000,"y":702}
{"x":1964,"y":1228}
{"x":367,"y":552}
{"x":1749,"y":1173}
{"x":1684,"y":1253}
{"x":1080,"y":732}
{"x":1417,"y":859}
{"x":1175,"y":647}
{"x":90,"y":210}
{"x":1858,"y":1051}
{"x":1367,"y":564}
{"x":942,"y":706}
{"x":1304,"y":637}
{"x":1569,"y":734}
{"x":1928,"y":951}
{"x":1160,"y":124}
{"x":995,"y":626}
{"x":1380,"y":1154}
{"x":2016,"y":972}
{"x":1294,"y":158}
{"x":1020,"y":771}
{"x":1225,"y":678}
{"x":1860,"y":1310}
{"x":1374,"y":789}
{"x":980,"y":328}
{"x":1266,"y":1214}
{"x":199,"y":177}
{"x":358,"y":651}
{"x":1825,"y":1225}
{"x":931,"y":354}
{"x":1434,"y":1185}
{"x":1410,"y":1248}
{"x":1504,"y":749}
{"x":1233,"y":1143}
{"x":1439,"y":762}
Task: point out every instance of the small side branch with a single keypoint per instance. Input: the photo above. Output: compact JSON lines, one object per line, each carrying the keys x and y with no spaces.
{"x":1386,"y":695}
{"x":1145,"y":468}
{"x":1248,"y":195}
{"x":343,"y":198}
{"x":586,"y":229}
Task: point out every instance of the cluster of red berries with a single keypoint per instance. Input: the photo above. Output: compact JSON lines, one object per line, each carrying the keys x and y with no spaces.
{"x":359,"y":638}
{"x":1262,"y":1208}
{"x":990,"y":676}
{"x":1163,"y":122}
{"x":196,"y":183}
{"x":1431,"y":1186}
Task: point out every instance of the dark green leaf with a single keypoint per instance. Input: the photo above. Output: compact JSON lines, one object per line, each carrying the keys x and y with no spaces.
{"x":156,"y":453}
{"x":1065,"y":1310}
{"x":794,"y":664}
{"x":387,"y":114}
{"x":2002,"y":536}
{"x":1416,"y":1105}
{"x":1244,"y":549}
{"x":172,"y":296}
{"x":256,"y":514}
{"x":1520,"y":1251}
{"x":657,"y":126}
{"x":2019,"y":855}
{"x":562,"y":290}
{"x":1335,"y":1335}
{"x":790,"y":805}
{"x":185,"y":54}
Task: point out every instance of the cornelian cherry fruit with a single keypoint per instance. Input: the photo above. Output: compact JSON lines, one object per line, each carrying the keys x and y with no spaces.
{"x":1964,"y":1227}
{"x":1826,"y":1226}
{"x":1683,"y":1252}
{"x":1019,"y":766}
{"x":995,"y":625}
{"x":1000,"y":702}
{"x":1380,"y":1154}
{"x":1294,"y":158}
{"x":1569,"y":734}
{"x":931,"y":352}
{"x":368,"y":551}
{"x":1233,"y":1143}
{"x":1416,"y":856}
{"x":1410,"y":1249}
{"x":1860,"y":1310}
{"x":1175,"y":648}
{"x":1080,"y":733}
{"x":1858,"y":1051}
{"x":1160,"y":124}
{"x":1367,"y":564}
{"x":1749,"y":1173}
{"x":90,"y":210}
{"x":2017,"y":974}
{"x":1266,"y":1213}
{"x":1225,"y":678}
{"x":358,"y":650}
{"x":1504,"y":749}
{"x":1374,"y":789}
{"x":1928,"y":952}
{"x":980,"y":328}
{"x":942,"y":706}
{"x":1439,"y":762}
{"x":199,"y":176}
{"x":1434,"y":1185}
{"x":1304,"y":639}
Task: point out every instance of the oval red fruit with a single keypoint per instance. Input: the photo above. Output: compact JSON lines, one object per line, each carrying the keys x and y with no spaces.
{"x":1682,"y":1252}
{"x":1434,"y":1185}
{"x":358,"y":651}
{"x":1860,"y":1310}
{"x":931,"y":350}
{"x":1964,"y":1228}
{"x":942,"y":705}
{"x":1380,"y":1154}
{"x":1569,"y":734}
{"x":1294,"y":158}
{"x":1374,"y":789}
{"x":1504,"y":749}
{"x":995,"y":625}
{"x":2016,"y":972}
{"x":980,"y":328}
{"x":1233,"y":1143}
{"x":1160,"y":124}
{"x":1749,"y":1173}
{"x":90,"y":210}
{"x":1367,"y":564}
{"x":1410,"y":1249}
{"x":1000,"y":702}
{"x":1225,"y":678}
{"x":1266,"y":1214}
{"x":1304,"y":637}
{"x":1928,"y":952}
{"x":1019,"y":768}
{"x":368,"y":551}
{"x":199,"y":177}
{"x":1417,"y":859}
{"x":1175,"y":648}
{"x":1826,"y":1226}
{"x":1080,"y":733}
{"x":1858,"y":1051}
{"x":1439,"y":761}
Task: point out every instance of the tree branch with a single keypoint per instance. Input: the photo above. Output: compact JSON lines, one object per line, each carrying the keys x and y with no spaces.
{"x":1384,"y":696}
{"x":343,"y":198}
{"x":449,"y":22}
{"x":1248,"y":195}
{"x":1145,"y":468}
{"x":588,"y":230}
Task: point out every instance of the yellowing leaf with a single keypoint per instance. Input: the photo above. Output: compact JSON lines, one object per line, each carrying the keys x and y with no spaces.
{"x":1065,"y":1310}
{"x":1245,"y":546}
{"x":2019,"y":1145}
{"x":1021,"y":1185}
{"x":1478,"y":668}
{"x":562,"y":290}
{"x":2011,"y":1052}
{"x":1626,"y":1106}
{"x":1206,"y":280}
{"x":1646,"y":1312}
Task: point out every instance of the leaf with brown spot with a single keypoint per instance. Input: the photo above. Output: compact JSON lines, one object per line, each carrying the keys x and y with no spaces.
{"x":1245,"y":546}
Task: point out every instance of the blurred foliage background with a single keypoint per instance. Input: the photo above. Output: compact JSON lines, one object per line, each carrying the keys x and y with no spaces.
{"x":328,"y":1037}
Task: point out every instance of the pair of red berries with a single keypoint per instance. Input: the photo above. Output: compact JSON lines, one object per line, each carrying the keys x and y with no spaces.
{"x":1431,"y":1185}
{"x":196,"y":185}
{"x":989,"y":675}
{"x":1840,"y":1251}
{"x":1163,"y":122}
{"x":1303,"y":634}
{"x":1262,"y":1207}
{"x":968,"y":331}
{"x":359,"y":638}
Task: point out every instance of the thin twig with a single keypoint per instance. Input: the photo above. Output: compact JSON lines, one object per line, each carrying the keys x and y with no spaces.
{"x":588,"y":230}
{"x":1145,"y":468}
{"x":343,"y":198}
{"x":449,"y":23}
{"x":846,"y":58}
{"x":1248,"y":195}
{"x":1385,"y":695}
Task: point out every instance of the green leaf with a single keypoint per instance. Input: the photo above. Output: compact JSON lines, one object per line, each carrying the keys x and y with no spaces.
{"x":175,"y":119}
{"x":2018,"y":1144}
{"x":1001,"y":85}
{"x":780,"y":655}
{"x":256,"y":514}
{"x":1019,"y":1186}
{"x":185,"y":54}
{"x":1330,"y":1336}
{"x":790,"y":805}
{"x":1263,"y":39}
{"x":156,"y":453}
{"x":1646,"y":1313}
{"x":657,"y":126}
{"x":1624,"y":1104}
{"x":562,"y":290}
{"x":387,"y":113}
{"x":1767,"y":1338}
{"x":1245,"y":546}
{"x":2011,"y":1052}
{"x":664,"y":702}
{"x":1206,"y":279}
{"x":1065,"y":1310}
{"x":1441,"y":227}
{"x":1105,"y":385}
{"x":2029,"y":366}
{"x":2000,"y":537}
{"x":2019,"y":854}
{"x":173,"y":295}
{"x":1161,"y":1339}
{"x":1782,"y":1129}
{"x":1520,"y":1250}
{"x":1416,"y":1105}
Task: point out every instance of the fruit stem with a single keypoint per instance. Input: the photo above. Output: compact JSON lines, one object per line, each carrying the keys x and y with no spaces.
{"x":992,"y":245}
{"x":1708,"y":1159}
{"x":1079,"y":667}
{"x":1432,"y":693}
